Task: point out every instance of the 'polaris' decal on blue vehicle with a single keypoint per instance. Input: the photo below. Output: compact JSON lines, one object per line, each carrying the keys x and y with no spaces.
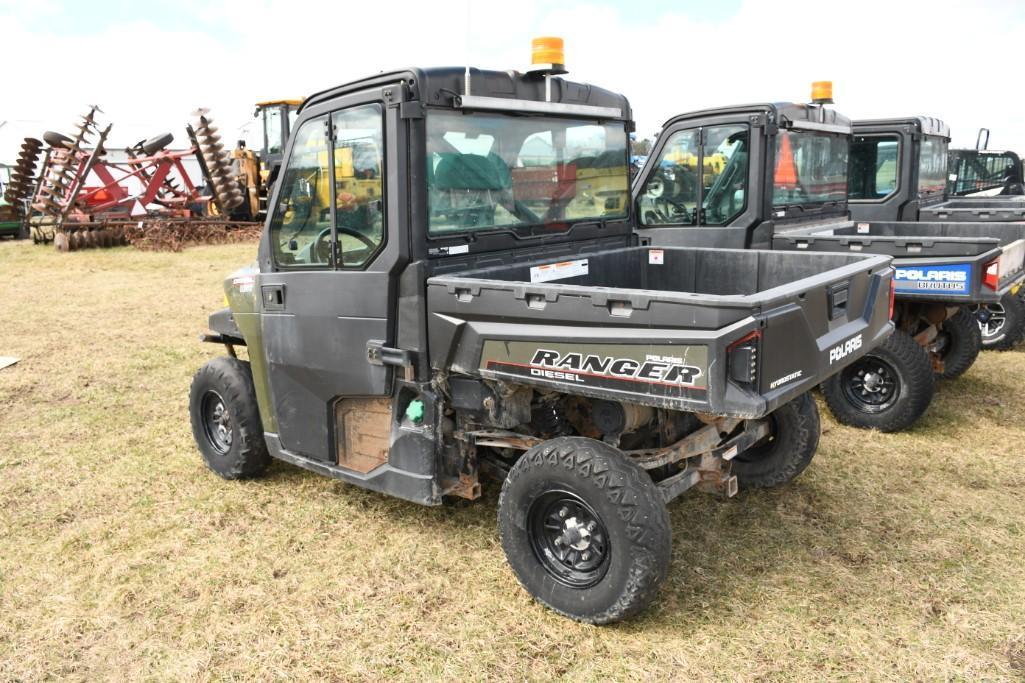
{"x":953,"y":279}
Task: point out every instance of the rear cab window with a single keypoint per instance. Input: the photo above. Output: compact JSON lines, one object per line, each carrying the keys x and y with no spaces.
{"x":810,"y":168}
{"x":495,"y":171}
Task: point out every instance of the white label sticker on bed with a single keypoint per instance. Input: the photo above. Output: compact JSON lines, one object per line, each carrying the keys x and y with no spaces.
{"x":656,"y":257}
{"x":558,"y":271}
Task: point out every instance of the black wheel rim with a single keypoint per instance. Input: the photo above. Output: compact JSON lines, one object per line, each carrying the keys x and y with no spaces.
{"x":216,"y":421}
{"x":871,"y":384}
{"x":994,"y":322}
{"x":568,"y":538}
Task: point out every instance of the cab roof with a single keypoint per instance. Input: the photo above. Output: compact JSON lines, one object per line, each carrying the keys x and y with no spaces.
{"x":440,"y":86}
{"x":926,"y":125}
{"x":781,"y":112}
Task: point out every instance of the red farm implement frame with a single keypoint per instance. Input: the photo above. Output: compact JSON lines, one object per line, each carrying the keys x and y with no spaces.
{"x":84,"y":197}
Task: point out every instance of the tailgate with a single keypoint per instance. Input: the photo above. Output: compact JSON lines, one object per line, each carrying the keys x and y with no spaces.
{"x":983,"y":279}
{"x":962,"y":263}
{"x":810,"y":337}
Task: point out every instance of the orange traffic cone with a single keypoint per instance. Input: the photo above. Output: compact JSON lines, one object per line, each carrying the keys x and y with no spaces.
{"x":785,"y":177}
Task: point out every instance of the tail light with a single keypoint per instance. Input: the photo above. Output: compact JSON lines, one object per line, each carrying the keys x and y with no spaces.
{"x":992,"y":277}
{"x":743,"y":358}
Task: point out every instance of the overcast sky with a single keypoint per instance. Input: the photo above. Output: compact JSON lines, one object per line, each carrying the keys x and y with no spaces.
{"x":149,"y":65}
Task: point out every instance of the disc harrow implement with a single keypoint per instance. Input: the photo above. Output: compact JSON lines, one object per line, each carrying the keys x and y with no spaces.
{"x":19,"y":189}
{"x":216,"y":162}
{"x":88,"y":194}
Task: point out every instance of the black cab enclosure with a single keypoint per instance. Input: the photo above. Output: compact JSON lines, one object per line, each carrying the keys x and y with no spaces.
{"x":901,"y":170}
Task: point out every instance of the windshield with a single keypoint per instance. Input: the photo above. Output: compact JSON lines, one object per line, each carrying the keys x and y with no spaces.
{"x":488,"y":171}
{"x":810,"y":168}
{"x":932,"y":166}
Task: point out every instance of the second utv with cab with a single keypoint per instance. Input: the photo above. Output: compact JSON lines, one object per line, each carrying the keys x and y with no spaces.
{"x":776,"y":176}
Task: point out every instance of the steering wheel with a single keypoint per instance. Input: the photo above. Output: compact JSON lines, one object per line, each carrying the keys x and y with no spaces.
{"x":322,"y":245}
{"x":669,"y":209}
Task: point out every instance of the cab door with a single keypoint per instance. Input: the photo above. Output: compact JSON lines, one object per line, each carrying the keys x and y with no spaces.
{"x":694,"y":189}
{"x":327,"y":284}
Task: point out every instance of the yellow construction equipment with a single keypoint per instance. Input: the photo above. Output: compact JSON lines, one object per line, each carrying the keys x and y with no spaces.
{"x":255,"y":170}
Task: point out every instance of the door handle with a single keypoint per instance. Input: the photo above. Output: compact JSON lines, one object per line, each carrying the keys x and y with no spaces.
{"x":273,"y":297}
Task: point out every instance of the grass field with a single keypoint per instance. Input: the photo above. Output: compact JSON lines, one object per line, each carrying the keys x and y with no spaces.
{"x":895,"y":557}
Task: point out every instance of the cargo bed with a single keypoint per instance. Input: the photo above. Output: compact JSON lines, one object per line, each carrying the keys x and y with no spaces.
{"x":934,"y":261}
{"x":732,"y":332}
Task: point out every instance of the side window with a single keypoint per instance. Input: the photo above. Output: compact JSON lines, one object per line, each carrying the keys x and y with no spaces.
{"x":300,"y":229}
{"x":670,"y":194}
{"x":359,"y":183}
{"x":873,"y":167}
{"x":724,"y":174}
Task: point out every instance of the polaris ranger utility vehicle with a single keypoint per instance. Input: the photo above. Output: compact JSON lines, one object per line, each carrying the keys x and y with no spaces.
{"x":784,"y":186}
{"x":486,"y":309}
{"x":899,"y":172}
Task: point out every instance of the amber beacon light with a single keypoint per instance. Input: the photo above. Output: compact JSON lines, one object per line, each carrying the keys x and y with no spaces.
{"x":822,"y":92}
{"x":548,"y":55}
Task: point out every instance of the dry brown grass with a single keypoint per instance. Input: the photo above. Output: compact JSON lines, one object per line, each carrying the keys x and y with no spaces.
{"x":894,"y":557}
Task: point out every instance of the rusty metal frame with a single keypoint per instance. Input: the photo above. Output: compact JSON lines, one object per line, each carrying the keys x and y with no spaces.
{"x":704,"y":454}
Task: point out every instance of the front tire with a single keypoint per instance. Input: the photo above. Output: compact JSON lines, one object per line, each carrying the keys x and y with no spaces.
{"x":585,"y":530}
{"x":789,"y":449}
{"x":958,"y":343}
{"x":226,"y":420}
{"x":887,"y":389}
{"x":1004,"y":324}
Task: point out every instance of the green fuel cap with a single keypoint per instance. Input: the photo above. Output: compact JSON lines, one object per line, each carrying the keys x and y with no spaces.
{"x":415,"y":411}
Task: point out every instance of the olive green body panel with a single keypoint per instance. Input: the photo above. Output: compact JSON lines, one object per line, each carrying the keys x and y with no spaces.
{"x":240,"y":289}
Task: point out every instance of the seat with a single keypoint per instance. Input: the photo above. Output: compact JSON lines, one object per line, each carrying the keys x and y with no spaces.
{"x":463,"y":185}
{"x":471,"y":172}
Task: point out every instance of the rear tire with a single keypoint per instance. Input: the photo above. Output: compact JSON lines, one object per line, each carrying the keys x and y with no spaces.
{"x":1005,"y":328}
{"x":787,"y":452}
{"x":891,"y":400}
{"x":585,"y":530}
{"x":960,"y":339}
{"x":226,"y":420}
